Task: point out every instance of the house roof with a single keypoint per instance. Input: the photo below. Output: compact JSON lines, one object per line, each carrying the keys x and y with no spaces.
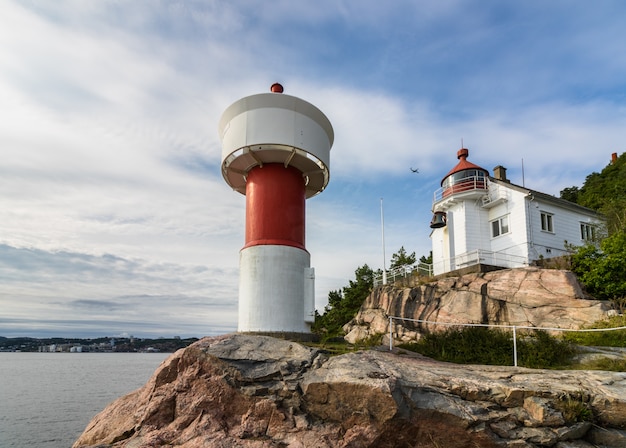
{"x":549,"y":198}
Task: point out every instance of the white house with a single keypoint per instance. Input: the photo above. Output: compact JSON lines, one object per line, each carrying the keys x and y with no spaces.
{"x":487,"y":220}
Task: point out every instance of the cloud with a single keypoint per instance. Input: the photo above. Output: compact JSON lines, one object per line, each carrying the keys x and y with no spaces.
{"x":110,"y":176}
{"x":75,"y":289}
{"x":95,"y":305}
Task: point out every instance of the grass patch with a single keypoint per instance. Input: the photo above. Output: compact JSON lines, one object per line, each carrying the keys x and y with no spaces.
{"x":575,"y":408}
{"x":339,"y":346}
{"x":333,"y":348}
{"x":371,"y":341}
{"x":608,"y":364}
{"x":616,"y":338}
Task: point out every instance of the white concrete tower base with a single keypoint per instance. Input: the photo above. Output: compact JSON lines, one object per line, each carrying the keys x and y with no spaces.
{"x":272,"y":282}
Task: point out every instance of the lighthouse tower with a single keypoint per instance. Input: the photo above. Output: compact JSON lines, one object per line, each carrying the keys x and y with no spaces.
{"x":275,"y":151}
{"x":459,"y":215}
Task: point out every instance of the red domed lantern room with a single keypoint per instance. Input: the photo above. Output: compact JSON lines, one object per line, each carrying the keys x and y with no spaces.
{"x":464,"y":177}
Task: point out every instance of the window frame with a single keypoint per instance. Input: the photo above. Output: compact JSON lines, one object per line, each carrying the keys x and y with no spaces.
{"x":588,"y":232}
{"x":547,"y":221}
{"x":501,"y":224}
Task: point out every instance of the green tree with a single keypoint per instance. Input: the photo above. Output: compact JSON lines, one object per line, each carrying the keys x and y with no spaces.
{"x":427,"y":260}
{"x":603,"y":269}
{"x":344,"y":304}
{"x":570,"y":194}
{"x":401,"y":258}
{"x":604,"y":192}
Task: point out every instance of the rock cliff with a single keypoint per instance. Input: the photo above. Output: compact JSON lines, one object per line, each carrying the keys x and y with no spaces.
{"x":523,"y":297}
{"x":257,"y":391}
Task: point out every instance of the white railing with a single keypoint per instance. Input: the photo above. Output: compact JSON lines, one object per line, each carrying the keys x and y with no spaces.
{"x":473,"y":258}
{"x":495,"y":195}
{"x":479,"y":256}
{"x":514,"y":328}
{"x":464,"y":185}
{"x":423,"y":269}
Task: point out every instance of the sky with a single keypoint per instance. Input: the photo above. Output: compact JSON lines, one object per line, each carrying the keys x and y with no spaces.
{"x":114,"y":217}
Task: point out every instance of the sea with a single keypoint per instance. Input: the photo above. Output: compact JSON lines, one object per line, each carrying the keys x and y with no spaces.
{"x":47,"y":399}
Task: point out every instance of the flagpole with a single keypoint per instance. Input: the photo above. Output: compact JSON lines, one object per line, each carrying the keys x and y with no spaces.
{"x":382,"y":225}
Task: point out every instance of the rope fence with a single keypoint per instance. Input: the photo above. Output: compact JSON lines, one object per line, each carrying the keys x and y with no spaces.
{"x":514,"y":328}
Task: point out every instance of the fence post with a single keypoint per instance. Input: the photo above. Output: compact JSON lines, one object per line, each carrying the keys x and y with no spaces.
{"x":514,"y":346}
{"x":390,"y":334}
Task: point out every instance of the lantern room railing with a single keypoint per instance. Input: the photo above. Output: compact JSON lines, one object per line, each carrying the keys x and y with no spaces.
{"x":462,"y":185}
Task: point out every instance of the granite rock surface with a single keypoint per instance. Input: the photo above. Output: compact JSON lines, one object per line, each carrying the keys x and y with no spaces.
{"x":255,"y":391}
{"x":523,"y":297}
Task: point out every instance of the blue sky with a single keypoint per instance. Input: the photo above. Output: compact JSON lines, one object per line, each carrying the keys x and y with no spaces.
{"x":114,"y":217}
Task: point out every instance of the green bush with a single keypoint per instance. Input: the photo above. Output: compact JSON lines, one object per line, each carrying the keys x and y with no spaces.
{"x":481,"y":345}
{"x":539,"y":350}
{"x":602,"y":269}
{"x":472,"y":345}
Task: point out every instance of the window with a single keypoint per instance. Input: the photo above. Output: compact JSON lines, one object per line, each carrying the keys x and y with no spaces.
{"x":500,"y":226}
{"x":587,"y":232}
{"x":546,"y":222}
{"x":465,"y":177}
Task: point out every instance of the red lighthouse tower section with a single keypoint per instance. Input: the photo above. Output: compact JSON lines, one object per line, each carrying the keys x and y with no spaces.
{"x":275,"y":200}
{"x":275,"y":150}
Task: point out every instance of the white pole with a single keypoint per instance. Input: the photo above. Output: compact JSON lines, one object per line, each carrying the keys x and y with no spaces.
{"x":390,"y":333}
{"x":382,"y":225}
{"x":514,"y":346}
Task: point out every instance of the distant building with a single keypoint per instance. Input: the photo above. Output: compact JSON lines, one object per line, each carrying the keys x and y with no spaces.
{"x":487,"y":220}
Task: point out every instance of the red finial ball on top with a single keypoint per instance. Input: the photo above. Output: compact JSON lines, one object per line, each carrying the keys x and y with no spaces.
{"x":276,"y":88}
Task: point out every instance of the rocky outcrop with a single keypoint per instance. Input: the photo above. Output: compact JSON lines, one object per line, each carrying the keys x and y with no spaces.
{"x":523,"y":297}
{"x":257,"y":391}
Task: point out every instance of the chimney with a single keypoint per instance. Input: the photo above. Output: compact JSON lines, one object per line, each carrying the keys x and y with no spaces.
{"x":499,"y":173}
{"x":613,"y":158}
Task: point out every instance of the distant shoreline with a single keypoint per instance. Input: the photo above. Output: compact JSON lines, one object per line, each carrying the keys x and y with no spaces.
{"x":94,"y":345}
